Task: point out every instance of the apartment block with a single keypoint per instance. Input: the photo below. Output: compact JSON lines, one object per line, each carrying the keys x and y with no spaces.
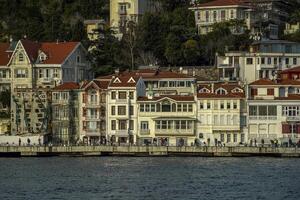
{"x":273,"y":111}
{"x":221,"y":113}
{"x":265,"y":59}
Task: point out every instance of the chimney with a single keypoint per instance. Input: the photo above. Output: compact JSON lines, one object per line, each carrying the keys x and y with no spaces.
{"x":117,"y":71}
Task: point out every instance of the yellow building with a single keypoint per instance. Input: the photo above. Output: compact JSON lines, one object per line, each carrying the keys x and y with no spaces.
{"x":4,"y":126}
{"x":122,"y":11}
{"x":92,"y":27}
{"x":291,"y":28}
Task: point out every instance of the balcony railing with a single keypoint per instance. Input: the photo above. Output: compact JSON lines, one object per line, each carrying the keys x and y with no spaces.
{"x":293,"y":118}
{"x":144,"y":131}
{"x":124,"y":132}
{"x":262,"y":117}
{"x":174,"y":131}
{"x":3,"y":80}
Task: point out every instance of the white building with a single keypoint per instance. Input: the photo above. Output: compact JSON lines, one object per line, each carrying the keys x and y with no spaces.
{"x":264,"y":60}
{"x":274,"y":111}
{"x":122,"y":115}
{"x":221,"y":113}
{"x":167,"y":120}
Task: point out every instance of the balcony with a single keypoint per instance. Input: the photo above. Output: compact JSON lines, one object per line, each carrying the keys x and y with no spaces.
{"x":121,"y":100}
{"x":144,"y":132}
{"x":262,"y":117}
{"x":93,"y":132}
{"x":92,"y":118}
{"x":92,"y":104}
{"x":122,"y":133}
{"x":293,"y":118}
{"x":46,"y":80}
{"x":178,"y":132}
{"x":5,"y":80}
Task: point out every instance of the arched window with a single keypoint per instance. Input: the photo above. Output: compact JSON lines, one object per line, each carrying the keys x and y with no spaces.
{"x":236,"y":90}
{"x":221,"y":91}
{"x":204,"y":90}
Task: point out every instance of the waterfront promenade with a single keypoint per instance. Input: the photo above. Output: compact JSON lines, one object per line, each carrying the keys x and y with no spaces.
{"x":211,"y":151}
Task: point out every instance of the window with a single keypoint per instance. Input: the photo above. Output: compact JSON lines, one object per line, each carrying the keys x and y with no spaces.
{"x":270,"y":91}
{"x":221,"y":91}
{"x":190,"y":107}
{"x":228,"y":105}
{"x":163,"y":84}
{"x":263,"y":61}
{"x":122,"y":125}
{"x":287,"y":61}
{"x":144,"y":125}
{"x":222,"y":105}
{"x":113,"y":110}
{"x":234,"y":105}
{"x":142,"y":108}
{"x":208,"y":105}
{"x":158,"y":107}
{"x":179,"y":107}
{"x":272,"y":111}
{"x":130,"y":95}
{"x":253,"y":111}
{"x":294,"y":61}
{"x":21,"y":57}
{"x":131,"y":125}
{"x":216,"y":120}
{"x":228,"y":138}
{"x":269,"y":61}
{"x":113,"y":125}
{"x":78,"y":59}
{"x":275,"y":61}
{"x":222,"y":15}
{"x":249,"y":61}
{"x":215,"y":16}
{"x":207,"y":16}
{"x":152,"y":107}
{"x":201,"y":104}
{"x":184,"y":107}
{"x":166,"y":107}
{"x":228,"y":120}
{"x":222,"y":137}
{"x":231,"y":14}
{"x":131,"y":111}
{"x":55,"y":73}
{"x":21,"y":73}
{"x":172,"y":83}
{"x":122,"y":95}
{"x":235,"y":137}
{"x":121,"y":110}
{"x":242,"y":138}
{"x":113,"y":95}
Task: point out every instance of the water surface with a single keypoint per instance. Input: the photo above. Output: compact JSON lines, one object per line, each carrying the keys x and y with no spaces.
{"x":149,"y":178}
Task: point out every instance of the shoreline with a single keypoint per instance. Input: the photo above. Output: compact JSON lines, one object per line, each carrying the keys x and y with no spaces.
{"x":147,"y":151}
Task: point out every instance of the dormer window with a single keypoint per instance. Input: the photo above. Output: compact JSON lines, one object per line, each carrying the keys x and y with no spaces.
{"x":221,"y":91}
{"x":42,"y":57}
{"x":237,"y":90}
{"x":21,"y":57}
{"x":204,"y":90}
{"x":131,"y":80}
{"x":117,"y":80}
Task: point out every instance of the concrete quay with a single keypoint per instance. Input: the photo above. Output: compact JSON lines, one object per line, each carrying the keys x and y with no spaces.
{"x":41,"y":151}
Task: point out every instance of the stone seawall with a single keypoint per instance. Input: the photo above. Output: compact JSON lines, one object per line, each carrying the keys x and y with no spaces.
{"x":18,"y":151}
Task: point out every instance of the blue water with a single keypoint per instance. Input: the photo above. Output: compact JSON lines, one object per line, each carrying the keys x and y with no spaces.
{"x":149,"y":178}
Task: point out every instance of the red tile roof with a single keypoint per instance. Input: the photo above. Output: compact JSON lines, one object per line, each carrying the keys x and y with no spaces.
{"x":100,"y":84}
{"x":263,"y":82}
{"x":174,"y":97}
{"x":124,"y":80}
{"x":222,"y":3}
{"x":4,"y":56}
{"x":57,"y":52}
{"x":31,"y":48}
{"x":67,"y":86}
{"x":294,"y":69}
{"x":229,"y":87}
{"x":267,"y":82}
{"x":289,"y":97}
{"x":150,"y":74}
